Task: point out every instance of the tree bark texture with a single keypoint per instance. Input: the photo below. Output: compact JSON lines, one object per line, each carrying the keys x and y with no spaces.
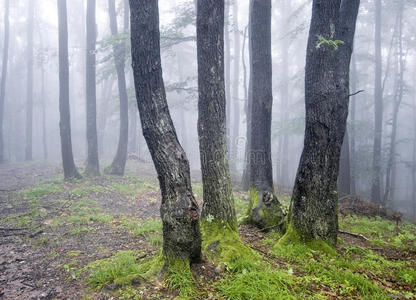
{"x":92,"y":139}
{"x":29,"y":83}
{"x":70,"y":171}
{"x":378,"y":109}
{"x":236,"y":88}
{"x":3,"y":78}
{"x":260,"y":159}
{"x":179,"y":210}
{"x":217,"y":190}
{"x":313,"y":213}
{"x":227,"y":70}
{"x":119,"y":50}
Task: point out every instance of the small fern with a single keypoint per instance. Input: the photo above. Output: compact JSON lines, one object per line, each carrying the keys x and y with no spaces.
{"x":323,"y":41}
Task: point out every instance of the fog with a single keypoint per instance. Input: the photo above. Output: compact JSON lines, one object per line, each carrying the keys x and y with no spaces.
{"x":290,"y":25}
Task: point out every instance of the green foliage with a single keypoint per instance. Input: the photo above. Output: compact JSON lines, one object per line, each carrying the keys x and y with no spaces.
{"x":407,"y":275}
{"x":40,"y":191}
{"x":86,"y":188}
{"x":142,"y":228}
{"x":258,"y":285}
{"x":179,"y":277}
{"x":323,"y":41}
{"x":81,"y":230}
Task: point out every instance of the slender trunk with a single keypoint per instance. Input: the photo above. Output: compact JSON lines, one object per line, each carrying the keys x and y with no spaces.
{"x":43,"y":104}
{"x":260,"y":160}
{"x":227,"y":56}
{"x":179,"y":210}
{"x":414,"y":154}
{"x":103,"y":113}
{"x":29,"y":83}
{"x":390,"y":180}
{"x":236,"y":87}
{"x":70,"y":171}
{"x":354,"y":84}
{"x":119,"y":49}
{"x":313,"y":212}
{"x":92,"y":168}
{"x":4,"y":75}
{"x":378,"y":109}
{"x":247,"y":110}
{"x":218,"y":198}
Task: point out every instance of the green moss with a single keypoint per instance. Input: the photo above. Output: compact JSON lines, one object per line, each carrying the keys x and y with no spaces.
{"x":407,"y":275}
{"x":179,"y":277}
{"x":258,"y":285}
{"x":223,"y":246}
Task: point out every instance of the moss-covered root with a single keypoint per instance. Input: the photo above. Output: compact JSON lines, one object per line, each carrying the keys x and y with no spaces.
{"x":265,"y":211}
{"x":223,"y":247}
{"x":293,"y":242}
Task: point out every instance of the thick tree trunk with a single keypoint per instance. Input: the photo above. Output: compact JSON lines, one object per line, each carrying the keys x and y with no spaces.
{"x":236,"y":87}
{"x":3,"y":78}
{"x":227,"y":56}
{"x":92,"y":168}
{"x":378,"y":109}
{"x":29,"y":83}
{"x":260,"y":159}
{"x":70,"y":171}
{"x":218,"y":198}
{"x":119,"y":49}
{"x":344,"y":177}
{"x":313,"y":213}
{"x":179,"y":210}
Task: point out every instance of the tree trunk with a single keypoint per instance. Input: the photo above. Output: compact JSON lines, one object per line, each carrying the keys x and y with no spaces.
{"x":43,"y":104}
{"x":106,"y":90}
{"x":29,"y":83}
{"x":179,"y":210}
{"x":227,"y":75}
{"x":378,"y":109}
{"x":70,"y":171}
{"x":398,"y":96}
{"x":353,"y":100}
{"x":236,"y":87}
{"x":119,"y":49}
{"x":4,"y":75}
{"x":92,"y":168}
{"x":344,"y":178}
{"x":260,"y":159}
{"x":218,"y":198}
{"x":313,"y":212}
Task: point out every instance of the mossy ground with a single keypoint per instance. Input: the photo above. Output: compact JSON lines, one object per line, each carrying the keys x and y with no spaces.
{"x":102,"y":237}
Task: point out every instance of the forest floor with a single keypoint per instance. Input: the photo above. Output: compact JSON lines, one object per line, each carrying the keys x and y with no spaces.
{"x":82,"y":239}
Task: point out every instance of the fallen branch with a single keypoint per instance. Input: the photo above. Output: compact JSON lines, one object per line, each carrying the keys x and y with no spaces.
{"x":354,"y":235}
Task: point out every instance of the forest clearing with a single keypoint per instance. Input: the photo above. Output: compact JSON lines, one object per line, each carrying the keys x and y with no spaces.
{"x":92,"y":239}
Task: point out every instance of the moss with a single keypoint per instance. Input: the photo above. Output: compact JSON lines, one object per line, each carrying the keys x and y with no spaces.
{"x":223,"y":246}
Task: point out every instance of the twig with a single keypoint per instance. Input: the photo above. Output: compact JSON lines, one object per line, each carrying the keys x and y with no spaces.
{"x":356,"y":93}
{"x":354,"y":234}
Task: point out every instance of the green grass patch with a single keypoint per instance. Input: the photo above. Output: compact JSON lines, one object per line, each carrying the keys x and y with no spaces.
{"x":142,"y":228}
{"x":41,"y":191}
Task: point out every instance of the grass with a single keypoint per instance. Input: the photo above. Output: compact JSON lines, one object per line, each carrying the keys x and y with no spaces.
{"x":143,"y":228}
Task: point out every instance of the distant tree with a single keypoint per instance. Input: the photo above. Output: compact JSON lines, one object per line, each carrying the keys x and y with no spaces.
{"x":218,"y":199}
{"x":313,"y":213}
{"x":90,"y":84}
{"x":378,"y":108}
{"x":344,"y":177}
{"x":119,"y":51}
{"x":259,"y":155}
{"x":70,"y":171}
{"x":29,"y":82}
{"x":179,"y":210}
{"x":4,"y":75}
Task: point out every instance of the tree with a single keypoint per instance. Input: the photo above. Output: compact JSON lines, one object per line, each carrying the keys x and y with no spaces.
{"x":344,"y":178}
{"x":313,"y":211}
{"x":227,"y":70}
{"x":92,"y":140}
{"x":218,"y":199}
{"x":179,"y":210}
{"x":260,"y":160}
{"x":29,"y":83}
{"x":4,"y":74}
{"x":378,"y":108}
{"x":70,"y":171}
{"x":119,"y":50}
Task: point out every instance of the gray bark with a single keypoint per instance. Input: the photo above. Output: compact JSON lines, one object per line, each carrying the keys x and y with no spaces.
{"x":70,"y":171}
{"x":260,"y":160}
{"x":218,"y":198}
{"x":179,"y":210}
{"x":119,"y":50}
{"x":92,"y":167}
{"x":227,"y":57}
{"x":236,"y":87}
{"x":313,"y":212}
{"x":344,"y":177}
{"x":3,"y":78}
{"x":29,"y":83}
{"x":353,"y":100}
